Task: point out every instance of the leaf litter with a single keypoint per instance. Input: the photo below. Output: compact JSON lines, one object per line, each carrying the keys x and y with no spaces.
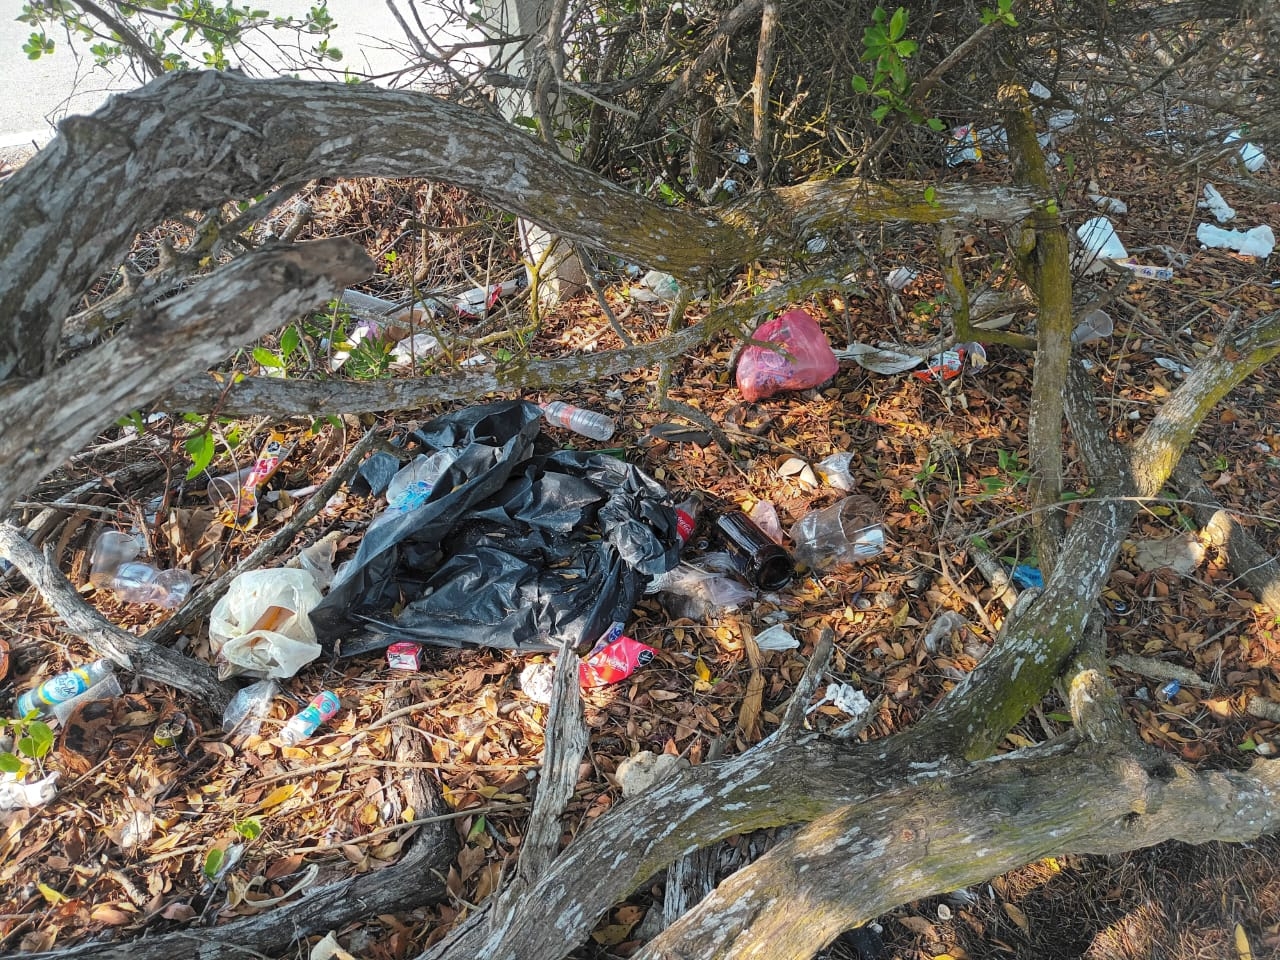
{"x":125,"y":843}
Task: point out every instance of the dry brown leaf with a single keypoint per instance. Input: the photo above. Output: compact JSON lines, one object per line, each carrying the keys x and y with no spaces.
{"x":1018,"y":917}
{"x":111,"y":916}
{"x":178,"y":911}
{"x":917,"y":925}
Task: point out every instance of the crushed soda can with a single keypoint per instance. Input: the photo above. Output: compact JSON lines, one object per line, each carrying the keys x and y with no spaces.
{"x":404,"y":656}
{"x":614,"y":662}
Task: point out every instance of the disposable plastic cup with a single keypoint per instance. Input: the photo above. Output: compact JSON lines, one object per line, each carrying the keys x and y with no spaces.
{"x":849,"y":531}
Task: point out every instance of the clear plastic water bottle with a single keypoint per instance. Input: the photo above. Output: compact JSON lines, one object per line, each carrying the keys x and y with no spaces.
{"x":413,"y":483}
{"x":322,"y":708}
{"x":588,"y":423}
{"x":62,"y":688}
{"x":113,"y":567}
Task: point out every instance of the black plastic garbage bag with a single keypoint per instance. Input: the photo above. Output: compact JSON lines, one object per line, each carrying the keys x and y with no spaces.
{"x":511,"y":549}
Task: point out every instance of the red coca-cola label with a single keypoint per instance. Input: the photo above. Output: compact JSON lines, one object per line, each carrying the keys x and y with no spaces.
{"x":684,"y":526}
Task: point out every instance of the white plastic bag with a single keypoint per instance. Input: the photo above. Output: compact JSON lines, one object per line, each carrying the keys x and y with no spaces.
{"x":261,"y":627}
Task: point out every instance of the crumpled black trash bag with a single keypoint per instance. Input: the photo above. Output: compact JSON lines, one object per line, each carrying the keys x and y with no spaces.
{"x":512,"y":549}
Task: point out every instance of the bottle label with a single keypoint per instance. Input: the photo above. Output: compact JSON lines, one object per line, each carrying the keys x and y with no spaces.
{"x":414,"y":495}
{"x":325,"y":704}
{"x":684,"y":526}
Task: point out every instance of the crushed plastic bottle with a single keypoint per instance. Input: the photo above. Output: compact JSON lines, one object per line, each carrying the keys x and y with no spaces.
{"x":113,"y":566}
{"x":587,"y":423}
{"x":322,"y":708}
{"x":412,"y":485}
{"x":62,"y":688}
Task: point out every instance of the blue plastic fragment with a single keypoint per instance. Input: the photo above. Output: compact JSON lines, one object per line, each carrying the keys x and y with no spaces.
{"x":1169,"y":690}
{"x":1026,"y":576}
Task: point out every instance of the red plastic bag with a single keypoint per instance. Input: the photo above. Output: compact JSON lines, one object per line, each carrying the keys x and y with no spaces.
{"x":763,"y":372}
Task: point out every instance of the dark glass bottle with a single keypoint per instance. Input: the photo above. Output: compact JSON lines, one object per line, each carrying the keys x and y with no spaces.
{"x":756,"y":557}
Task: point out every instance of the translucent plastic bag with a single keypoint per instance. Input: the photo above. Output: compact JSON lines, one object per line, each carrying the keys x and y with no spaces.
{"x":262,"y":627}
{"x":807,"y":362}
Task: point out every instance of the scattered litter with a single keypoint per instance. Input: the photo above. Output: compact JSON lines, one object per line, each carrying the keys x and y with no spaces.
{"x":656,"y":286}
{"x":950,"y":363}
{"x":261,"y":626}
{"x":848,"y":531}
{"x":765,"y":516}
{"x":817,"y":244}
{"x":1215,"y":204}
{"x":249,"y":707}
{"x":1181,"y":553}
{"x":1173,"y":366}
{"x":1109,"y":204}
{"x":946,"y":623}
{"x":1099,"y":241}
{"x":1258,"y":242}
{"x":323,"y":707}
{"x":586,"y":423}
{"x":63,"y":688}
{"x":889,"y":361}
{"x":17,"y":795}
{"x":413,"y":348}
{"x":845,"y":698}
{"x":899,"y":277}
{"x":113,"y":566}
{"x":835,"y":471}
{"x":776,"y":638}
{"x":646,"y":770}
{"x":1146,"y":270}
{"x":882,"y":360}
{"x":720,"y":593}
{"x":328,"y":948}
{"x":404,"y":656}
{"x":1168,"y":691}
{"x":517,"y":551}
{"x":537,"y":680}
{"x":1250,"y":154}
{"x":1027,"y":577}
{"x":800,"y":471}
{"x":1095,"y":325}
{"x":805,"y":360}
{"x":1039,"y":90}
{"x":243,"y":513}
{"x":967,"y":142}
{"x":755,"y":557}
{"x":614,"y":662}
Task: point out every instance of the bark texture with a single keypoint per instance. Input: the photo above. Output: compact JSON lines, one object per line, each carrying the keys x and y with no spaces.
{"x":257,"y":293}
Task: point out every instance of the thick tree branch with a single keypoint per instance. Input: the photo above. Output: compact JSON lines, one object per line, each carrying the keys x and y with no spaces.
{"x":194,"y":329}
{"x":862,"y":860}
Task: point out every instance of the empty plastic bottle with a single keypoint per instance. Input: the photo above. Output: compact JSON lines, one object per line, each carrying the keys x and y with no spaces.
{"x":588,"y":423}
{"x":687,"y":518}
{"x":62,"y":688}
{"x":412,"y":485}
{"x":323,"y":706}
{"x":113,"y":567}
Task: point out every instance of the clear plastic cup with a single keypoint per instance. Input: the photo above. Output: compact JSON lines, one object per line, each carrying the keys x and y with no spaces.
{"x":849,"y":531}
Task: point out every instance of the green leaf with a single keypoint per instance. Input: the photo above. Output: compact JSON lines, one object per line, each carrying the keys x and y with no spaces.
{"x":477,"y":829}
{"x":10,"y":763}
{"x":289,"y":341}
{"x":905,"y":48}
{"x":212,"y":862}
{"x":1249,"y":745}
{"x":250,"y":829}
{"x":898,"y":25}
{"x":266,"y":357}
{"x":860,"y":84}
{"x":200,"y":448}
{"x":880,"y":112}
{"x":37,"y":741}
{"x":931,"y":196}
{"x":936,"y":125}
